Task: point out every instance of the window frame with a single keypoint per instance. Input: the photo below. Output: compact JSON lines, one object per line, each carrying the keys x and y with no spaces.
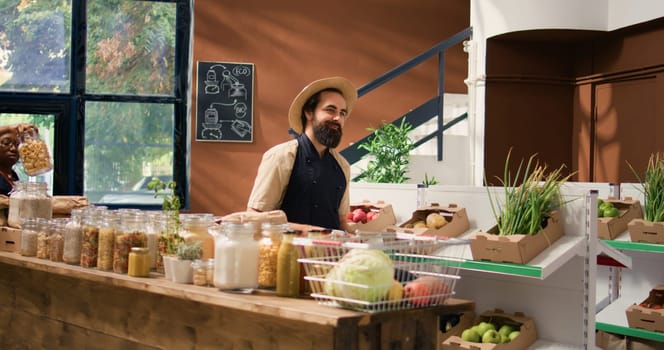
{"x":69,"y":108}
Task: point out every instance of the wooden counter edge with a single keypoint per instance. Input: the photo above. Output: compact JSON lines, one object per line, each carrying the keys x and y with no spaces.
{"x":263,"y":303}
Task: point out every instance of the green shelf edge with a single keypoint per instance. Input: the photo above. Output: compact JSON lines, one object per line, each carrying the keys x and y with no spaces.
{"x":490,"y":266}
{"x":637,"y":246}
{"x":632,"y":332}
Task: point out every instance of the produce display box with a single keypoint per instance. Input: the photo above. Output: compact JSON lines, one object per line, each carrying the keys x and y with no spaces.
{"x":10,"y":239}
{"x":385,"y":216}
{"x":646,"y":231}
{"x":498,"y":317}
{"x":612,"y":227}
{"x":465,"y":321}
{"x":518,"y":249}
{"x":457,"y":221}
{"x":649,"y":314}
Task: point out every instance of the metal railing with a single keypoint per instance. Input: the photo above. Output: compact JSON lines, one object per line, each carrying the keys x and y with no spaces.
{"x":426,"y":111}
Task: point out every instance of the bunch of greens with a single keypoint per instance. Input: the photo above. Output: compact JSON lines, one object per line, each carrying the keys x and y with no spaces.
{"x":529,"y":197}
{"x":653,"y":188}
{"x":389,"y":148}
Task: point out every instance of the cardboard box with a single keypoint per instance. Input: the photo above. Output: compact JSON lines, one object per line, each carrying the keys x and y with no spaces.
{"x":465,"y":321}
{"x":385,"y":216}
{"x":649,"y":314}
{"x":457,"y":221}
{"x":10,"y":239}
{"x":646,"y":231}
{"x":498,"y":317}
{"x":518,"y":249}
{"x":612,"y":227}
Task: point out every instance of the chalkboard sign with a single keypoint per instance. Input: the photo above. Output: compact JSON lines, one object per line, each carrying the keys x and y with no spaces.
{"x":224,"y":102}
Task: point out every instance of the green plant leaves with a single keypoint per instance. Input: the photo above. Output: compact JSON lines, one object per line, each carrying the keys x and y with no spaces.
{"x":389,"y":153}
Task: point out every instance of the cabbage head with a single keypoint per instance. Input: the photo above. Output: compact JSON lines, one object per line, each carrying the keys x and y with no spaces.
{"x":371,"y":269}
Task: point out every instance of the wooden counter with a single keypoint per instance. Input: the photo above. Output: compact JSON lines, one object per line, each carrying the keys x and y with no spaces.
{"x":51,"y":305}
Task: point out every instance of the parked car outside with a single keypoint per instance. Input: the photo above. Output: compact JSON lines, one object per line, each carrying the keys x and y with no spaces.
{"x":139,"y":194}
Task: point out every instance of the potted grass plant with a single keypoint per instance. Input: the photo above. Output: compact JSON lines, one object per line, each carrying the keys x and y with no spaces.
{"x":650,"y":229}
{"x":186,"y":253}
{"x":527,"y":213}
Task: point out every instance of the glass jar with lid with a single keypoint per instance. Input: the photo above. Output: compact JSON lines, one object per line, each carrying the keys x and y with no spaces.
{"x":199,"y":267}
{"x":90,"y":235}
{"x":43,"y":239}
{"x":71,"y":252}
{"x":131,"y":234}
{"x":195,"y":228}
{"x":34,"y":153}
{"x":139,"y":262}
{"x":108,"y":227}
{"x":152,"y":232}
{"x":56,"y":240}
{"x":236,"y":256}
{"x":288,"y":268}
{"x":31,"y":200}
{"x":268,"y":252}
{"x":29,"y":231}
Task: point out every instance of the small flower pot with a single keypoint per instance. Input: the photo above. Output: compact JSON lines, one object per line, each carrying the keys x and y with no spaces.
{"x":182,"y":271}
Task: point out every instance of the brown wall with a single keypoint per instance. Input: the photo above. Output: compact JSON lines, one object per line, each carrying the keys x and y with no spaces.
{"x":293,"y":42}
{"x":579,"y":98}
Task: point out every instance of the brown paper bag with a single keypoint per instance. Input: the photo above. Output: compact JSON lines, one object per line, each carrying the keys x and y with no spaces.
{"x":610,"y":341}
{"x":62,"y":205}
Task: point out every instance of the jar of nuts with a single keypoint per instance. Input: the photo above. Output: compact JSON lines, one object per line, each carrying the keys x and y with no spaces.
{"x":34,"y":153}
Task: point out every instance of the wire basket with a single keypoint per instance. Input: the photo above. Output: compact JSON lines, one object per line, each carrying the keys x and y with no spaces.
{"x":381,"y":272}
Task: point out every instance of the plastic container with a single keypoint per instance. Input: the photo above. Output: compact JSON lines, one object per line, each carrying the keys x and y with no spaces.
{"x":268,"y":253}
{"x":34,"y":154}
{"x":236,"y":256}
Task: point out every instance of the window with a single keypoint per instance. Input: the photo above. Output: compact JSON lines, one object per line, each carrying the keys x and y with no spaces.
{"x":107,"y":80}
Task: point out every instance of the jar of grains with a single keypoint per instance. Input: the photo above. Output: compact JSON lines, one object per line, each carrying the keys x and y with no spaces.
{"x":200,"y":266}
{"x":236,"y":256}
{"x":288,"y":268}
{"x":108,"y":227}
{"x":71,"y":253}
{"x":34,"y":153}
{"x":268,"y":252}
{"x":43,"y":239}
{"x":29,"y":231}
{"x":32,"y":200}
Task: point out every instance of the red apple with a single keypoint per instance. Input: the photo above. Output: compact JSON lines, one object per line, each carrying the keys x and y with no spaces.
{"x":349,"y":216}
{"x":371,"y":215}
{"x":359,"y":215}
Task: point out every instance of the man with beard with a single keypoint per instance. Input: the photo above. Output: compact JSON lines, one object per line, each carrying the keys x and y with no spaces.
{"x":307,"y":178}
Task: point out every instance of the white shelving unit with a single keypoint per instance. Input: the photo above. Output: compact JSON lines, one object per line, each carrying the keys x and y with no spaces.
{"x":635,"y":283}
{"x":557,"y":288}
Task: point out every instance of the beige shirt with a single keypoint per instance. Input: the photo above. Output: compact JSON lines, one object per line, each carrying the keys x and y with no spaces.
{"x":274,"y":174}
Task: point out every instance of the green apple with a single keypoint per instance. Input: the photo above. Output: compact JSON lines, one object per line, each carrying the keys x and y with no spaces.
{"x":513,"y":335}
{"x":491,"y":336}
{"x":611,"y":212}
{"x":470,"y":335}
{"x":505,"y":330}
{"x":476,"y":328}
{"x":485,"y":326}
{"x":504,"y":338}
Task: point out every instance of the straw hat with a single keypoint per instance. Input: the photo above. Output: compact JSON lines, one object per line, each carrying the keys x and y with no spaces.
{"x":342,"y":84}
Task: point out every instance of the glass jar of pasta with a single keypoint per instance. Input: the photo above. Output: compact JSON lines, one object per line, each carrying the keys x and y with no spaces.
{"x":269,"y":250}
{"x":108,"y":227}
{"x":131,"y":234}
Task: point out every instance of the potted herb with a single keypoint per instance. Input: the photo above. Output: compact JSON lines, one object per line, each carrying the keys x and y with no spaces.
{"x":186,"y":253}
{"x":170,"y":235}
{"x":651,"y":228}
{"x":527,"y":211}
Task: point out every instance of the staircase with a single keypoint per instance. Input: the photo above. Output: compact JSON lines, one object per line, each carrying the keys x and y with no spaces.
{"x":430,"y":121}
